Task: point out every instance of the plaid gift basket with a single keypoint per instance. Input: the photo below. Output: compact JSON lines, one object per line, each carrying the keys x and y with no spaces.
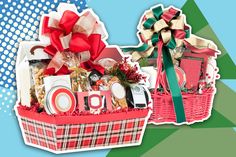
{"x":79,"y":133}
{"x":181,"y":66}
{"x":75,"y":92}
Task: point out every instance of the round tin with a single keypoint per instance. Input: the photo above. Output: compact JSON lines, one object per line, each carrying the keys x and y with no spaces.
{"x":60,"y":99}
{"x":180,"y":74}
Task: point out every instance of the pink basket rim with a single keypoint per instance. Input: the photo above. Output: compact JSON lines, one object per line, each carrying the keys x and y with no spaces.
{"x":83,"y":119}
{"x":186,"y":95}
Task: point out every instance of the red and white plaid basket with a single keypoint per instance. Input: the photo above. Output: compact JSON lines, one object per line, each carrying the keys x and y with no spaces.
{"x":63,"y":134}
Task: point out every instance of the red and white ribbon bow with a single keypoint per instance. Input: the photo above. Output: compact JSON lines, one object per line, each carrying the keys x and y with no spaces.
{"x":74,"y":33}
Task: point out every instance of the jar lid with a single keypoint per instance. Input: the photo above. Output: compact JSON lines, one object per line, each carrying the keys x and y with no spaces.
{"x":118,"y":91}
{"x":60,"y":99}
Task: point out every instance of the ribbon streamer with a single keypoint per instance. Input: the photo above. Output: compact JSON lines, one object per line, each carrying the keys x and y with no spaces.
{"x":161,"y":30}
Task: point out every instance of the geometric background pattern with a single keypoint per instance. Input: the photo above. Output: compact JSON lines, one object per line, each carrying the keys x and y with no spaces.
{"x":19,"y":21}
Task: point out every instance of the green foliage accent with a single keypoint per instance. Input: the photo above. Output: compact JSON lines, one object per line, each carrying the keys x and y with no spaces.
{"x":143,"y":62}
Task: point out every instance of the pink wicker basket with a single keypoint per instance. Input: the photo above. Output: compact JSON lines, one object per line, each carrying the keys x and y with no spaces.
{"x":166,"y":42}
{"x":197,"y":107}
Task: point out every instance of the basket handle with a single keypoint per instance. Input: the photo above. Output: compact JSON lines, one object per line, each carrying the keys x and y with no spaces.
{"x":160,"y":79}
{"x":32,"y":50}
{"x":163,"y":52}
{"x":159,"y":69}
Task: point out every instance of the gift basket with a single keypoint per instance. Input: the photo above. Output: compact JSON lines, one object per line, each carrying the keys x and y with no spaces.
{"x":75,"y":92}
{"x":182,"y":67}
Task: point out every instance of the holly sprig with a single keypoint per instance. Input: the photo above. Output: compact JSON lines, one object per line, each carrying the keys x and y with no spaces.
{"x":127,"y":73}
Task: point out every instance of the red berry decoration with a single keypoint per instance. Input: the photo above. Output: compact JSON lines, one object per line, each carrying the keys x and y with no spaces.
{"x":127,"y":73}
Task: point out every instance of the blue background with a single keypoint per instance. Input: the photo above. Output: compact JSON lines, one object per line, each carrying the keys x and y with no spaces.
{"x":121,"y":18}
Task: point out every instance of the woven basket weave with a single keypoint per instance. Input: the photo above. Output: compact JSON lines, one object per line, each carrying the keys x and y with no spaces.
{"x":197,"y":107}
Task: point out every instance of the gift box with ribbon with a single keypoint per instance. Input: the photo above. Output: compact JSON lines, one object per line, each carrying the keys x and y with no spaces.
{"x":166,"y":44}
{"x":72,"y":87}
